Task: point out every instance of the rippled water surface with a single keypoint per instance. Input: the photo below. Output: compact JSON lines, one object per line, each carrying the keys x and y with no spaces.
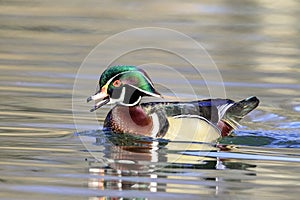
{"x":255,"y":45}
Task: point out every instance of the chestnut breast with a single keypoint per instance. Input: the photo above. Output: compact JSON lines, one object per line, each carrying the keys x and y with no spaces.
{"x":132,"y":120}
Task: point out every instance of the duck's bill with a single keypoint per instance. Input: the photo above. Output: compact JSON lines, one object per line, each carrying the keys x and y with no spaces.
{"x":100,"y":98}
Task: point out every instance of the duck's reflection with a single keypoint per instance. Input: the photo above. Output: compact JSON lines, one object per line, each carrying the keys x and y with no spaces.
{"x":136,"y":164}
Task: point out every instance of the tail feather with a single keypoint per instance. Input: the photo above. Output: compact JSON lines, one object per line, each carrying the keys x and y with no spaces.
{"x":239,"y":110}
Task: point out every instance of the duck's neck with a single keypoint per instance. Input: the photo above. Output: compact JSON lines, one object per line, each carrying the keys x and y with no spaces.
{"x":133,"y":120}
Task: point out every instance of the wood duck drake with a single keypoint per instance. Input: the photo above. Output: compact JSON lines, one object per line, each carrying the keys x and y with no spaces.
{"x":199,"y":120}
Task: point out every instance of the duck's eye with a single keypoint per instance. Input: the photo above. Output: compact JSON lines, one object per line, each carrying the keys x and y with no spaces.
{"x":117,"y":83}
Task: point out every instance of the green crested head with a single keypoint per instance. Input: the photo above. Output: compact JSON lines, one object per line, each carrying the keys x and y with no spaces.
{"x":113,"y":71}
{"x":125,"y":85}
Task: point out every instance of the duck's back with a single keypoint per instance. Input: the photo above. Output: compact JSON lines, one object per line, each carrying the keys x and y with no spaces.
{"x":210,"y":109}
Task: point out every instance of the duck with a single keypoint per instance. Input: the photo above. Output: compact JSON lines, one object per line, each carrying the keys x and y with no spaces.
{"x":204,"y":120}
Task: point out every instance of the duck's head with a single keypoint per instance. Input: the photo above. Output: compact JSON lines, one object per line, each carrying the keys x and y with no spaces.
{"x":124,"y":85}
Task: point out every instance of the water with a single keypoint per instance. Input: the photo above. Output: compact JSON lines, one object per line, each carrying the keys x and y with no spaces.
{"x":256,"y":48}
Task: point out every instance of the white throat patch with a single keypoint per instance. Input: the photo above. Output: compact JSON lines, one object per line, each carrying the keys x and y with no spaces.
{"x":121,"y":99}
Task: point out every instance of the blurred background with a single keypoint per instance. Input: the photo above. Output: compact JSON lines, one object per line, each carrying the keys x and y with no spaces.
{"x":255,"y":45}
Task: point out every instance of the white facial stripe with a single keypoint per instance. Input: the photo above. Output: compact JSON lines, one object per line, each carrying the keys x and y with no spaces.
{"x":146,"y":92}
{"x":148,"y":80}
{"x":131,"y":104}
{"x":111,"y":79}
{"x":121,"y":98}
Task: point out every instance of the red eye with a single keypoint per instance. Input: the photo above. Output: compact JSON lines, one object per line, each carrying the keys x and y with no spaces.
{"x":117,"y":83}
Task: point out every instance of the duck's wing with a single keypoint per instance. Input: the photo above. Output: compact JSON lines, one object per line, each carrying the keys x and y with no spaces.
{"x":212,"y":110}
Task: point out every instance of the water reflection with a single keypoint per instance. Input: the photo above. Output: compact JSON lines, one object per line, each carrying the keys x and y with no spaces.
{"x":148,"y":166}
{"x":130,"y":153}
{"x":168,"y":180}
{"x":255,"y":45}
